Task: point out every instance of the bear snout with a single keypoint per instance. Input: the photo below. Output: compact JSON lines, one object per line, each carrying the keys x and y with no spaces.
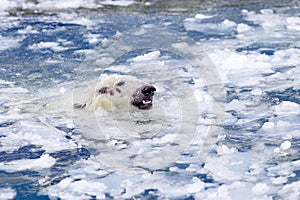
{"x":142,"y":98}
{"x":148,"y":90}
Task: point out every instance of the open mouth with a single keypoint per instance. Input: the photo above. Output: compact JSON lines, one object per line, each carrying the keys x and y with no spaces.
{"x":143,"y":97}
{"x":146,"y":104}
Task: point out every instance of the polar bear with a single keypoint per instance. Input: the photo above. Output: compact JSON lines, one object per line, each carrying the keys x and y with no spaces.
{"x":119,"y":92}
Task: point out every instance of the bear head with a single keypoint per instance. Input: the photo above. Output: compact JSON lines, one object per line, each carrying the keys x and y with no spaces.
{"x":119,"y":92}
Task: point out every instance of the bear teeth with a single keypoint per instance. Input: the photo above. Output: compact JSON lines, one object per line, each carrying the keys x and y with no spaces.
{"x":147,"y":101}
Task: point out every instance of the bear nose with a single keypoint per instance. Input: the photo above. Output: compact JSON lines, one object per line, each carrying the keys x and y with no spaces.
{"x":148,"y":90}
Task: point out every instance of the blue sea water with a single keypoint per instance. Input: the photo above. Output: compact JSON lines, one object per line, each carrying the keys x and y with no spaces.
{"x":226,"y":129}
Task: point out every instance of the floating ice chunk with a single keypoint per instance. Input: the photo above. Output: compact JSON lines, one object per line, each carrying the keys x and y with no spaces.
{"x":7,"y":4}
{"x":293,"y":23}
{"x":118,"y":2}
{"x":260,"y":188}
{"x":84,"y":21}
{"x":85,"y":51}
{"x":48,"y":45}
{"x":277,"y":150}
{"x":281,"y":125}
{"x":256,"y":91}
{"x":244,"y":11}
{"x":91,"y":188}
{"x":267,"y":19}
{"x":228,"y":24}
{"x":69,"y":188}
{"x":27,"y":30}
{"x":62,"y":90}
{"x":45,"y":161}
{"x":7,"y":193}
{"x":47,"y":137}
{"x":196,"y":186}
{"x":230,"y":118}
{"x":93,"y":40}
{"x":67,"y":4}
{"x":241,"y":69}
{"x":14,"y":90}
{"x":168,"y":138}
{"x":223,"y":149}
{"x":8,"y":42}
{"x":193,"y":168}
{"x":242,"y":28}
{"x":222,"y":168}
{"x":287,"y":108}
{"x":225,"y":26}
{"x":290,"y":191}
{"x":235,"y":191}
{"x":296,"y":163}
{"x":220,"y":193}
{"x":235,"y":105}
{"x":148,"y":3}
{"x":4,"y":82}
{"x":268,"y":126}
{"x":201,"y":16}
{"x":279,"y":180}
{"x":146,"y":57}
{"x":285,"y":145}
{"x":267,"y":11}
{"x":43,"y":45}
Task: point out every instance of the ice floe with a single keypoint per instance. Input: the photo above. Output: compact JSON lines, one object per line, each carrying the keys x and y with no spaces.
{"x":7,"y":193}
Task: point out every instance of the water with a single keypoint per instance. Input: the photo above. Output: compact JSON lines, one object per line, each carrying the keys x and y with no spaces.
{"x":225,"y":121}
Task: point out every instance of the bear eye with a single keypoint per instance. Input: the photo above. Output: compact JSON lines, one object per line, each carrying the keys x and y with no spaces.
{"x":103,"y":90}
{"x":120,"y":83}
{"x":118,"y":90}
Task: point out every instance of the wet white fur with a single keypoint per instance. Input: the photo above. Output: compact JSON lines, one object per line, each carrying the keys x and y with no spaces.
{"x":116,"y":97}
